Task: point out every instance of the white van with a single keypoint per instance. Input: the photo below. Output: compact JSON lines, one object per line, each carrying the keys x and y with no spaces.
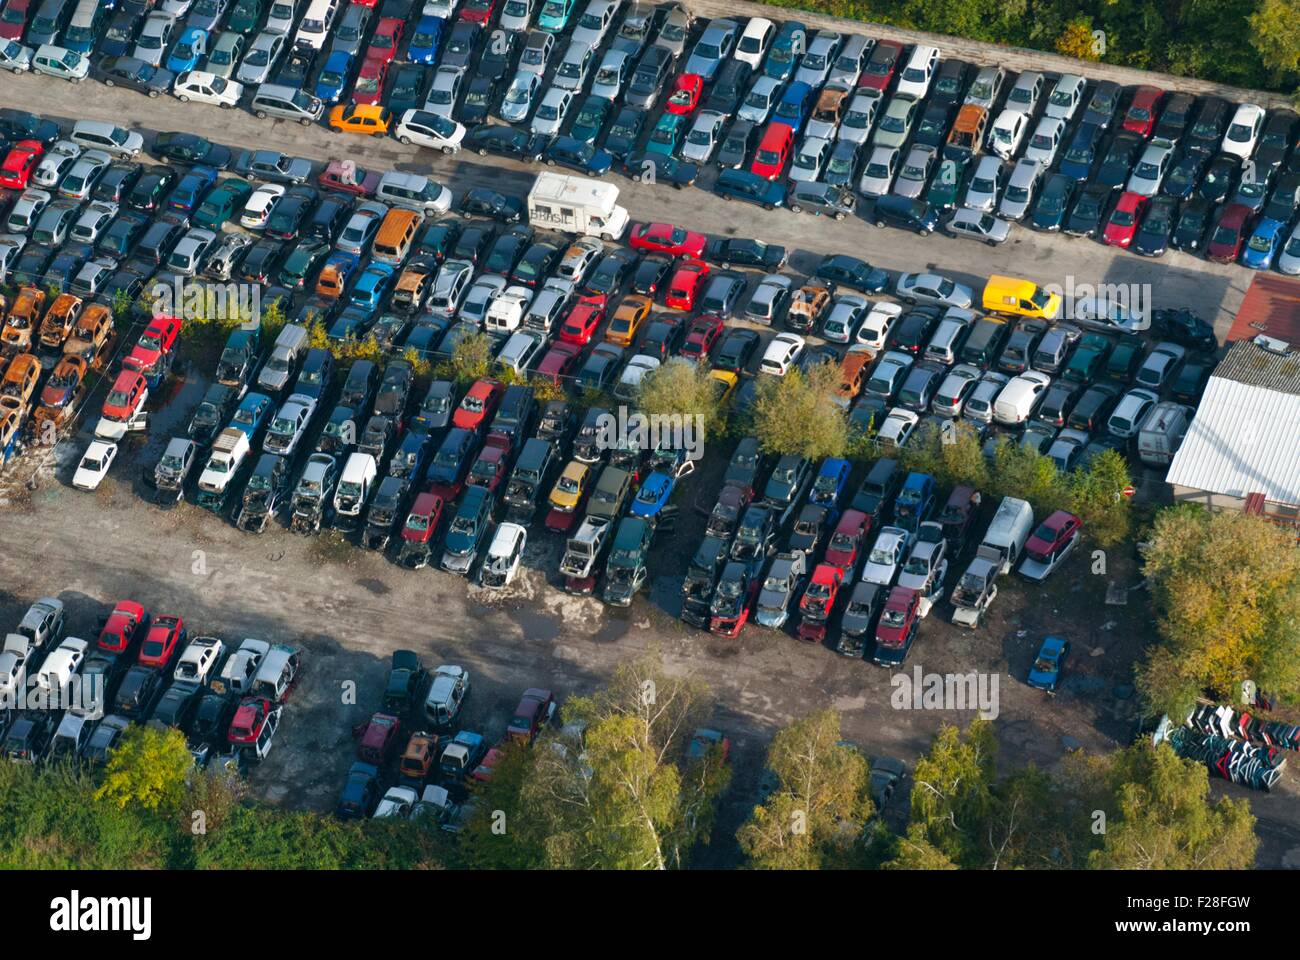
{"x":359,"y":474}
{"x":1006,"y":535}
{"x":1162,"y":433}
{"x":506,"y":311}
{"x":576,"y":205}
{"x":316,"y":24}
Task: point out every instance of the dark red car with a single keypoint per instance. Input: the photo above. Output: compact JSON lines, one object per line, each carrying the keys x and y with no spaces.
{"x":897,"y":626}
{"x":667,"y":238}
{"x":478,"y":11}
{"x":1229,"y":234}
{"x":702,"y":337}
{"x":1052,"y":534}
{"x":377,"y":738}
{"x":559,"y":362}
{"x":536,"y":709}
{"x":1124,"y":219}
{"x":1140,"y":118}
{"x":128,"y":621}
{"x":878,"y":74}
{"x":250,"y":720}
{"x":581,"y":323}
{"x":846,"y":541}
{"x":818,"y":601}
{"x":370,"y":82}
{"x":490,"y":469}
{"x":478,"y":405}
{"x":165,"y":637}
{"x":13,"y":19}
{"x":386,"y":39}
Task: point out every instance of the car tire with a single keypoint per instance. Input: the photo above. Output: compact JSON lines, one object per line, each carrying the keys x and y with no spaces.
{"x":108,"y":82}
{"x":153,"y":94}
{"x":796,"y":208}
{"x":769,"y":206}
{"x":840,"y":214}
{"x":260,"y":114}
{"x":184,"y":99}
{"x":305,"y":122}
{"x":880,"y":224}
{"x":448,"y":150}
{"x":405,"y":140}
{"x":482,"y":151}
{"x":923,"y":232}
{"x":726,"y":197}
{"x":991,"y":243}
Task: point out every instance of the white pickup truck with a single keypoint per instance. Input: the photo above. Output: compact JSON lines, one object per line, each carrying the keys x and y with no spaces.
{"x":583,"y":550}
{"x":229,"y":452}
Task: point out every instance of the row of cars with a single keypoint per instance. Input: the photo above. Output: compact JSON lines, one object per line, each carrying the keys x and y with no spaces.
{"x":66,"y":697}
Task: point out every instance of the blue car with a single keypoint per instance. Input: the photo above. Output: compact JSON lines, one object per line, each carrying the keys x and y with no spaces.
{"x":1262,"y":247}
{"x":189,"y":50}
{"x":915,"y":502}
{"x":666,"y":135}
{"x":743,"y":185}
{"x":653,"y":495}
{"x":360,"y":792}
{"x":372,"y":286}
{"x":424,"y":42}
{"x":578,"y":155}
{"x":335,"y":76}
{"x":555,"y":15}
{"x":351,"y":324}
{"x":830,"y":483}
{"x":251,"y":414}
{"x":1045,"y":674}
{"x":786,"y":51}
{"x":1078,"y":159}
{"x":194,"y":186}
{"x":794,"y":106}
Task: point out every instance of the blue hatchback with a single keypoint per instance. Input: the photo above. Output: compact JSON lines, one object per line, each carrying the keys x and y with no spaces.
{"x":653,"y":495}
{"x":786,"y":52}
{"x":1265,"y":240}
{"x":372,"y":286}
{"x":194,"y":186}
{"x":794,"y":106}
{"x":832,"y":479}
{"x":335,"y":76}
{"x":189,"y":50}
{"x":1045,"y":674}
{"x":425,"y":40}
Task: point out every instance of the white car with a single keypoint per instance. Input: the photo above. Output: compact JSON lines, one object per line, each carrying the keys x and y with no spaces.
{"x":282,"y":15}
{"x":878,"y":174}
{"x":60,"y":62}
{"x":809,"y":159}
{"x":261,"y":59}
{"x":289,"y":424}
{"x":1066,"y":97}
{"x":574,"y":66}
{"x":504,"y":556}
{"x":875,"y":330}
{"x":198,"y":661}
{"x":703,"y":137}
{"x":155,"y":37}
{"x":1007,"y":132}
{"x":240,"y":668}
{"x":1045,"y":141}
{"x":754,"y":41}
{"x":551,"y":112}
{"x":397,"y":803}
{"x":519,"y":96}
{"x":14,"y":57}
{"x":445,"y":92}
{"x":92,"y":469}
{"x":926,"y":567}
{"x":985,"y":184}
{"x":1132,"y":409}
{"x":614,"y":71}
{"x":203,"y":87}
{"x":1243,"y":131}
{"x":14,"y":661}
{"x":57,"y":163}
{"x":595,"y":22}
{"x":432,"y":130}
{"x":633,"y":374}
{"x":897,"y":427}
{"x":1151,"y":167}
{"x":55,"y":675}
{"x":917,"y":73}
{"x":481,"y":294}
{"x":761,"y":100}
{"x":979,"y":405}
{"x":781,"y":354}
{"x":1021,"y":396}
{"x":841,"y":322}
{"x":260,"y":205}
{"x":885,"y":556}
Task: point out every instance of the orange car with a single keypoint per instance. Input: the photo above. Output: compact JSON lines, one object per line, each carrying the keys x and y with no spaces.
{"x":23,"y":318}
{"x":20,"y":378}
{"x":807,"y":307}
{"x":92,"y":336}
{"x":627,"y":320}
{"x":60,"y":320}
{"x":853,"y":372}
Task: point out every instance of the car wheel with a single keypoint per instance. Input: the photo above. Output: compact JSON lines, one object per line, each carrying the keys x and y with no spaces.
{"x":405,"y":140}
{"x":880,"y":224}
{"x":769,"y":206}
{"x":305,"y":122}
{"x":482,"y":151}
{"x":153,"y":94}
{"x":448,"y":150}
{"x":796,"y":208}
{"x":840,"y":214}
{"x":225,"y":106}
{"x":726,"y":197}
{"x":184,"y":99}
{"x":107,"y":82}
{"x":260,"y":114}
{"x":991,"y":243}
{"x":923,"y":232}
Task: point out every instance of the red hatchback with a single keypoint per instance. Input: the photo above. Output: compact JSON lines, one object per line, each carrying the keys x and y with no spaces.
{"x":377,"y":739}
{"x":127,"y":621}
{"x":387,"y":38}
{"x":686,"y":284}
{"x":21,"y":162}
{"x":686,"y":94}
{"x":13,"y":19}
{"x":879,"y":71}
{"x":559,"y":362}
{"x":842,"y":550}
{"x":370,"y":82}
{"x":897,"y":627}
{"x":1140,"y":117}
{"x":667,"y":238}
{"x":581,"y":323}
{"x":702,"y":337}
{"x":478,"y":11}
{"x":478,"y":404}
{"x":1229,"y":234}
{"x":165,"y":637}
{"x":154,"y":346}
{"x":1124,"y":219}
{"x":818,"y":601}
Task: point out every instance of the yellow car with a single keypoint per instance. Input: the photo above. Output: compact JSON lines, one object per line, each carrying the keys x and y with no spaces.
{"x":627,"y":320}
{"x":569,"y":489}
{"x":371,"y":119}
{"x":727,"y":380}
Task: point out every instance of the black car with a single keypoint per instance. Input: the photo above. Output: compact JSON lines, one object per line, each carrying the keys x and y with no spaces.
{"x":329,"y":219}
{"x":138,"y":692}
{"x":729,"y":87}
{"x":290,"y":214}
{"x":1193,"y":223}
{"x":409,"y":88}
{"x":811,"y":529}
{"x":1103,"y":105}
{"x":480,"y":99}
{"x":1090,"y":210}
{"x":121,"y":236}
{"x":117,"y":181}
{"x":738,"y":144}
{"x":297,"y":67}
{"x":1079,"y":157}
{"x":1285,"y":201}
{"x":1280,"y":134}
{"x":1207,"y":130}
{"x":932,"y":128}
{"x":125,"y":286}
{"x":67,"y":263}
{"x":624,"y":132}
{"x":136,"y":75}
{"x":839,"y":268}
{"x":212,"y":719}
{"x":756,"y":534}
{"x":611,"y":273}
{"x":262,"y":260}
{"x":858,"y":623}
{"x":1220,"y":179}
{"x":438,"y":238}
{"x":489,"y":203}
{"x":1183,"y":176}
{"x":191,"y":148}
{"x":1190,"y":382}
{"x":461,"y":46}
{"x":505,"y":142}
{"x":1052,"y":203}
{"x":597,"y":373}
{"x":746,"y":253}
{"x":213,"y":413}
{"x":473,"y":242}
{"x":657,"y":168}
{"x":788,"y":479}
{"x":22,"y":125}
{"x":1122,"y":154}
{"x":151,"y":188}
{"x":536,"y":264}
{"x":1152,"y":238}
{"x":916,"y":327}
{"x":652,"y":274}
{"x":736,"y":350}
{"x":494,"y":64}
{"x":577,"y":155}
{"x":663,"y":338}
{"x":950,"y":82}
{"x":29,"y":736}
{"x":507,"y":250}
{"x":177,"y":707}
{"x":1175,"y":116}
{"x":1184,"y":327}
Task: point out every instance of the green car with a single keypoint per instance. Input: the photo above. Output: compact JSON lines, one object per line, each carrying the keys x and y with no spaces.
{"x":666,"y":135}
{"x":590,"y":119}
{"x":245,"y":15}
{"x":305,"y":257}
{"x":222,"y":203}
{"x":946,"y":185}
{"x":1125,"y":358}
{"x":1088,"y":359}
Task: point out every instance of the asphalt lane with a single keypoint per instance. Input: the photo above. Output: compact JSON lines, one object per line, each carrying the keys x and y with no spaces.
{"x":1175,"y":280}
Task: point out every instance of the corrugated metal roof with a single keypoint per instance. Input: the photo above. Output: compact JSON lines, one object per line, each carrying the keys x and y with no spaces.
{"x":1253,"y":365}
{"x":1245,"y":437}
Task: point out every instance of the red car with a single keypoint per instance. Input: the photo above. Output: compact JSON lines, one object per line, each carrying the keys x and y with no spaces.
{"x":581,"y":323}
{"x":702,"y":337}
{"x":850,"y":532}
{"x":13,"y":20}
{"x":686,"y":94}
{"x":370,"y":82}
{"x":685,"y":284}
{"x":153,"y":350}
{"x":21,"y":162}
{"x":1140,"y":118}
{"x":386,"y":39}
{"x":478,"y":404}
{"x":127,"y":621}
{"x":879,"y":71}
{"x":1229,"y":234}
{"x":1051,"y":542}
{"x":536,"y":709}
{"x":377,"y":738}
{"x":251,"y":720}
{"x":359,"y":183}
{"x":1124,"y":219}
{"x":165,"y":637}
{"x":667,"y":238}
{"x":818,"y":601}
{"x":478,"y":11}
{"x":483,"y":772}
{"x":897,"y":627}
{"x":559,"y":362}
{"x":490,"y":469}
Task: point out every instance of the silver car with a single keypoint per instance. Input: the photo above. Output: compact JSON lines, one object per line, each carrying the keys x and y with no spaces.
{"x":1026,"y":91}
{"x":985,"y":185}
{"x":878,"y":175}
{"x":809,"y":159}
{"x":860,"y":117}
{"x":537,"y":53}
{"x":675,"y":30}
{"x":155,"y":36}
{"x":261,"y":58}
{"x":518,"y":100}
{"x":762,"y":98}
{"x":1045,"y":141}
{"x":986,"y":86}
{"x":350,"y":33}
{"x":552,"y":110}
{"x":362,"y":225}
{"x":94,"y":218}
{"x":933,"y":288}
{"x":1151,"y":167}
{"x":703,"y":137}
{"x":595,"y":22}
{"x":225,"y":53}
{"x":574,"y":66}
{"x":816,"y":64}
{"x":712,"y":48}
{"x":1022,"y":187}
{"x":444,"y":92}
{"x":896,"y":123}
{"x":915,"y":174}
{"x":1288,"y":260}
{"x":977,"y":225}
{"x":772,"y":292}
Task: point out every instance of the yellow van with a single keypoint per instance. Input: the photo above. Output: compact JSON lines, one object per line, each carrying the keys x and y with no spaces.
{"x":395,"y":236}
{"x":1020,"y":298}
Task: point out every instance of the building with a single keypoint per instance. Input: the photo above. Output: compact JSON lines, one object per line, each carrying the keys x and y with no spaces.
{"x":1242,"y":450}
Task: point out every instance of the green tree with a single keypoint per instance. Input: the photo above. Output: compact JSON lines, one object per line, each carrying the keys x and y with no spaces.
{"x":1077,"y":40}
{"x":471,"y":359}
{"x":1227,"y":588}
{"x":1275,"y":35}
{"x":952,"y":792}
{"x":148,"y":768}
{"x":681,"y":389}
{"x":951,"y":453}
{"x":795,"y":415}
{"x":1095,"y":495}
{"x":915,"y":852}
{"x":817,"y":815}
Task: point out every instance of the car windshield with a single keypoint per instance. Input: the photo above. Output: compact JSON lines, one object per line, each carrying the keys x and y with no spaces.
{"x":893,"y":618}
{"x":882,"y":556}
